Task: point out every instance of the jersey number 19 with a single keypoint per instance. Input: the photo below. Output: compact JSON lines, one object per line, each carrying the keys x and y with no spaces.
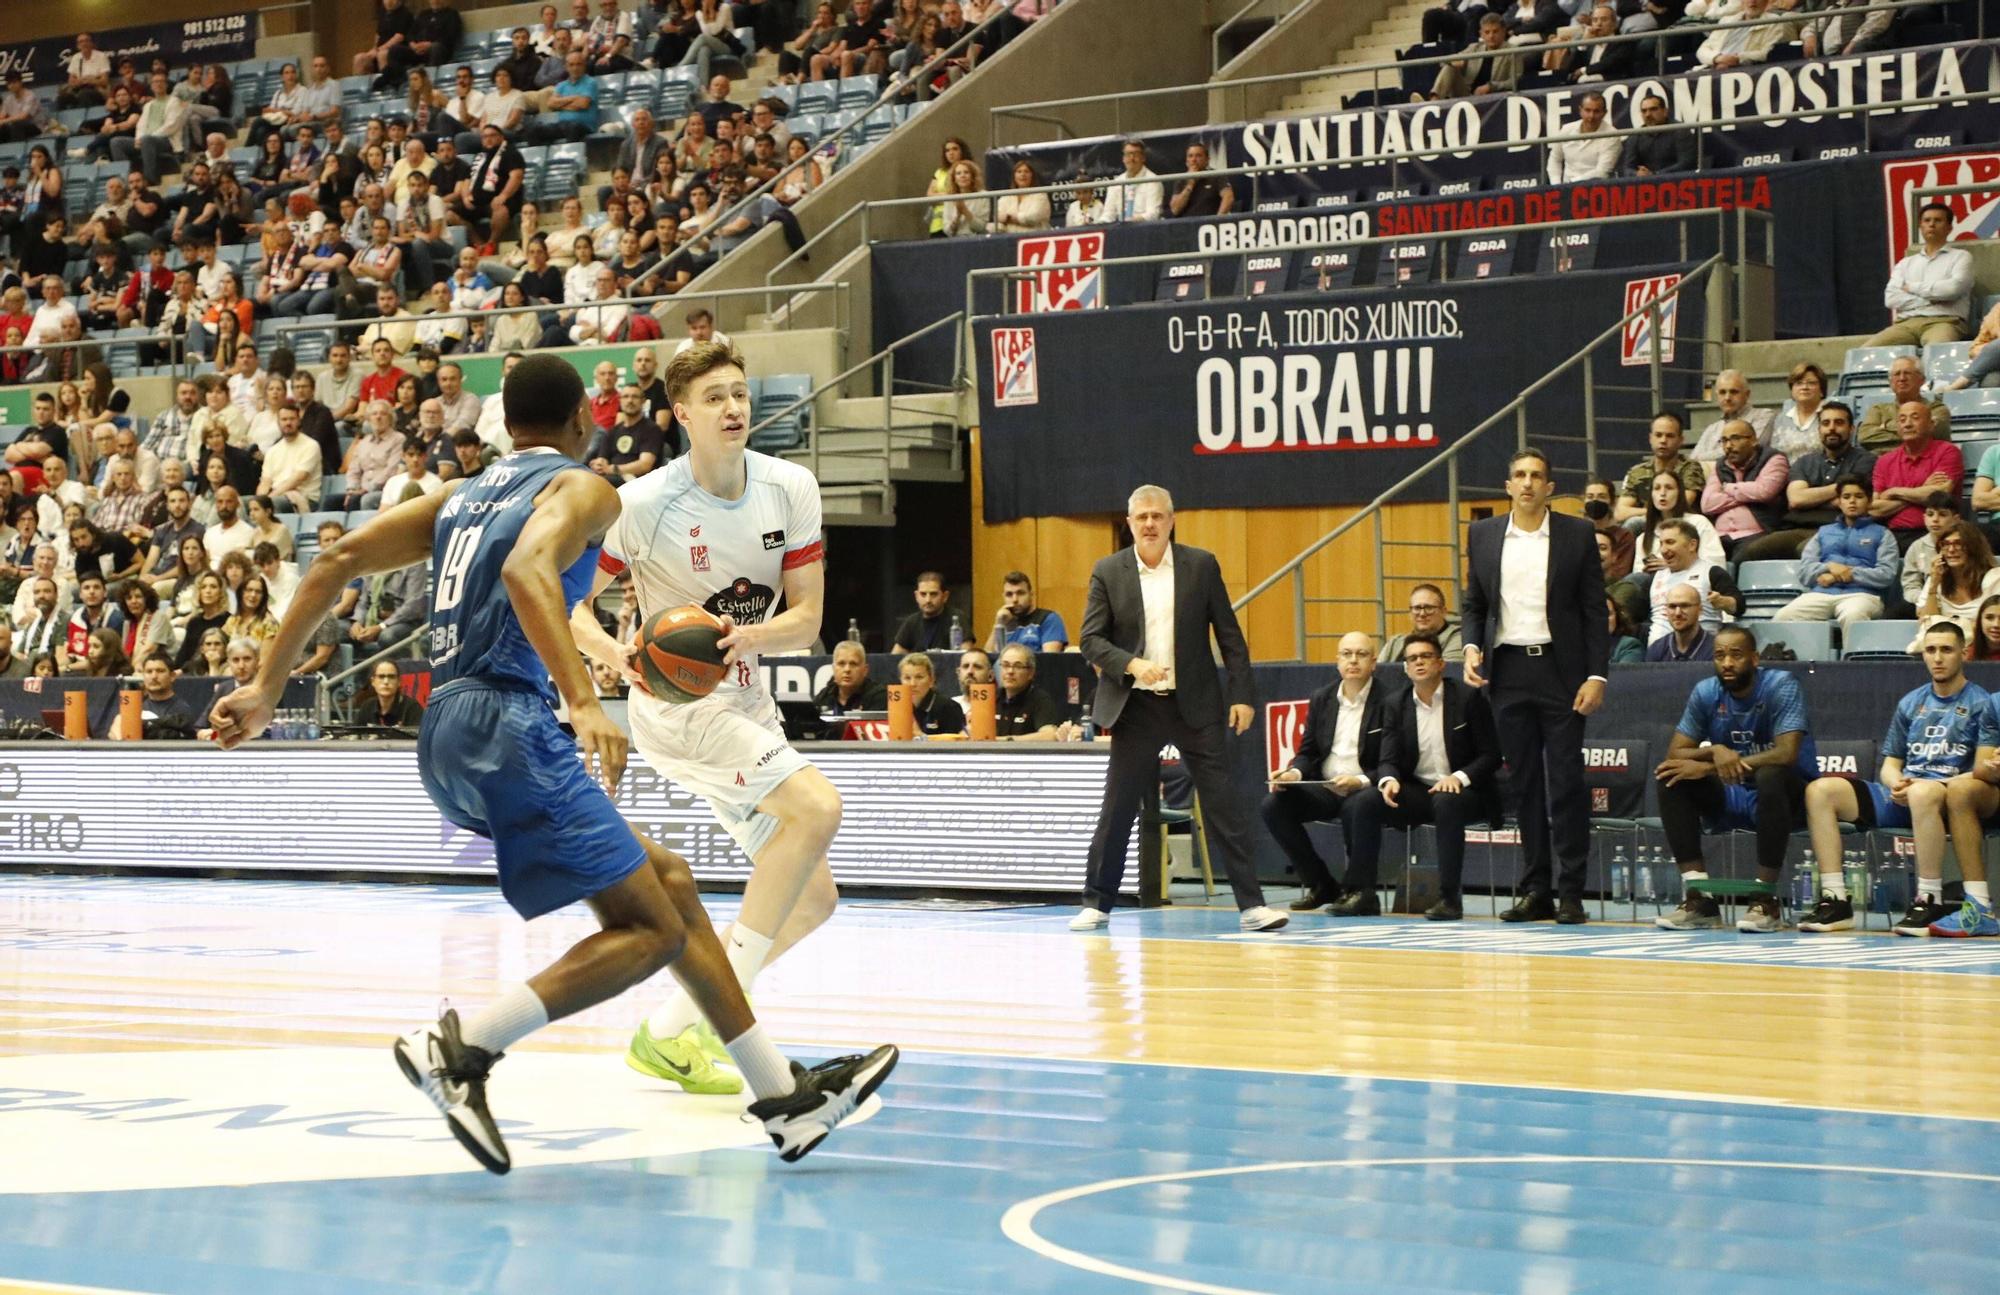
{"x":457,"y":560}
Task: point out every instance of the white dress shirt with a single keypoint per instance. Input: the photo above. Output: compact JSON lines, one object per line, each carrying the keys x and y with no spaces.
{"x":1929,"y":285}
{"x":1156,"y":594}
{"x":1344,"y":760}
{"x":1138,"y":197}
{"x":1433,"y":761}
{"x":1524,"y":586}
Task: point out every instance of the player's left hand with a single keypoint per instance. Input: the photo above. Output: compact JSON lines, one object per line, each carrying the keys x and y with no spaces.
{"x":738,"y":640}
{"x":629,"y":667}
{"x":241,"y":716}
{"x":1728,"y":764}
{"x":1240,"y":717}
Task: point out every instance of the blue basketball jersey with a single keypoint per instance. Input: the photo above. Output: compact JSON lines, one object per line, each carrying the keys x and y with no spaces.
{"x":474,"y":630}
{"x":1747,"y":725}
{"x":1938,"y":737}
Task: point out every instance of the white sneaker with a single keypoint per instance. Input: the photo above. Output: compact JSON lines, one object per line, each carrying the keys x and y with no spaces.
{"x":1263,"y":918}
{"x":1089,"y":919}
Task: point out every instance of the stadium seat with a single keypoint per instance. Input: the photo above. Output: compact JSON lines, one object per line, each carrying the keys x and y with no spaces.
{"x":309,"y":524}
{"x":358,"y":518}
{"x":819,"y":96}
{"x":333,"y":483}
{"x":1974,"y":412}
{"x":1808,"y":640}
{"x":773,"y":395}
{"x":1868,"y":366}
{"x":1767,"y":586}
{"x":1878,"y":641}
{"x":1944,"y":361}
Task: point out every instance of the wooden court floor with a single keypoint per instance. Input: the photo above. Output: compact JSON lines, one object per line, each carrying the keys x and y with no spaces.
{"x":196,"y":1092}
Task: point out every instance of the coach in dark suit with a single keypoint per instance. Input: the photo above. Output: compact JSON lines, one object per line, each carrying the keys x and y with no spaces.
{"x":1440,"y":765}
{"x":1341,"y":746}
{"x":1534,"y":626}
{"x":1146,"y":628}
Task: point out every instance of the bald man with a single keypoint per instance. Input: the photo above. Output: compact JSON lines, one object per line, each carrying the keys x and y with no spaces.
{"x":1338,"y":754}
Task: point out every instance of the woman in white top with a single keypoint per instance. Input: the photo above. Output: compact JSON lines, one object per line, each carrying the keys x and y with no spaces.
{"x":715,"y":37}
{"x":1015,"y":214}
{"x":1795,"y":431}
{"x":1667,"y":499}
{"x":965,"y":215}
{"x":804,"y":176}
{"x":562,"y":239}
{"x":1961,"y":578}
{"x":521,"y":332}
{"x":263,"y":428}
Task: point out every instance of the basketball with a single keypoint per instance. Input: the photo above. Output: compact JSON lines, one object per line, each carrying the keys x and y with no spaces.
{"x":678,"y":654}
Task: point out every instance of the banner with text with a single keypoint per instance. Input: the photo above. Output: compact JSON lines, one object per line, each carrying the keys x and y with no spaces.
{"x":1435,"y":140}
{"x":223,"y":38}
{"x":1295,"y":402}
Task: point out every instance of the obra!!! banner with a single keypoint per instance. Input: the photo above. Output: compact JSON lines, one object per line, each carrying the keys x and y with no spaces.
{"x":1294,"y":400}
{"x":1439,"y":139}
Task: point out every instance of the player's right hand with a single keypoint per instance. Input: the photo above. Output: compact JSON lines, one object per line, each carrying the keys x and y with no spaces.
{"x":1282,"y":776}
{"x":241,"y":716}
{"x":603,"y":744}
{"x":630,"y":668}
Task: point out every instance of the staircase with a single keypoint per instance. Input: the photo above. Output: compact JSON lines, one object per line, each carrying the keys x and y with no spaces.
{"x":1400,"y":28}
{"x":858,"y":462}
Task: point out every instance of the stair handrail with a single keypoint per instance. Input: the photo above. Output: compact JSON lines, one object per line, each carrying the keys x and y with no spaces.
{"x":1448,"y":457}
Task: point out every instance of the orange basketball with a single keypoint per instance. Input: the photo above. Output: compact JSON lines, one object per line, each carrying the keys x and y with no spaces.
{"x":678,"y":654}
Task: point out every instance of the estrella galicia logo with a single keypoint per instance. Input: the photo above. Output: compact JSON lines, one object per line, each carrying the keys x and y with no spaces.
{"x":742,"y":601}
{"x":773,"y":540}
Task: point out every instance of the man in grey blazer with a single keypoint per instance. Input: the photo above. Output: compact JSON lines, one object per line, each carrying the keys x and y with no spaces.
{"x":1146,"y":628}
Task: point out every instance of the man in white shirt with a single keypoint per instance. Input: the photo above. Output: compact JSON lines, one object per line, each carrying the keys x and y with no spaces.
{"x":416,"y":473}
{"x":1930,"y":290}
{"x":1136,"y":194}
{"x":1338,"y":752}
{"x":1590,"y":154}
{"x":281,"y":578}
{"x":145,"y":463}
{"x":291,"y":474}
{"x":230,"y":531}
{"x":492,"y":425}
{"x":701,"y":328}
{"x":89,"y":72}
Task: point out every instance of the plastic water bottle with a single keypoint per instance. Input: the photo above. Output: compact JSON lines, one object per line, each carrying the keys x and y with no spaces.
{"x":1642,"y":880}
{"x":1621,"y":877}
{"x":853,"y":630}
{"x":312,"y":724}
{"x":1669,"y":889}
{"x":1089,"y":727}
{"x":957,"y":633}
{"x":1854,"y":866}
{"x":1805,"y":883}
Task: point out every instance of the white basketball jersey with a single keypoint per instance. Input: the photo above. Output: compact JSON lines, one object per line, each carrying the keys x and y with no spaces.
{"x":684,"y":545}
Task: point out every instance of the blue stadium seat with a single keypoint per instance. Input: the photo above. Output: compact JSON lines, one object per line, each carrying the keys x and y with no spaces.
{"x":1878,"y":641}
{"x":819,"y":96}
{"x":1975,"y":412}
{"x":1865,"y":366}
{"x":857,"y":92}
{"x":309,"y":524}
{"x":1944,"y":361}
{"x":1808,"y":640}
{"x":1766,"y":586}
{"x":353,"y":89}
{"x":359,"y":518}
{"x":772,"y":395}
{"x":333,"y":483}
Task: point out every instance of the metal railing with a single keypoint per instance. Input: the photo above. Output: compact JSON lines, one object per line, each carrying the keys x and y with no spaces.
{"x":175,"y":344}
{"x":886,"y":381}
{"x":1514,"y":414}
{"x":1918,"y":197}
{"x":1740,"y":217}
{"x":1036,"y":109}
{"x":327,"y":682}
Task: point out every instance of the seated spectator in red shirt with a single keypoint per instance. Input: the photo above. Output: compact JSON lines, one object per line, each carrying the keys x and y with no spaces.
{"x":604,"y":396}
{"x":380,"y":382}
{"x":1908,"y":475}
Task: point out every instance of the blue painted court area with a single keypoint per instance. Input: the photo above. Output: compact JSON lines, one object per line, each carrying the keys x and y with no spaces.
{"x":984,"y":1174}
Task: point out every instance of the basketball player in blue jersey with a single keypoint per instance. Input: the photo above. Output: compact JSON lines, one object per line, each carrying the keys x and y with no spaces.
{"x":1740,"y":757}
{"x":513,"y":550}
{"x":1942,"y":730}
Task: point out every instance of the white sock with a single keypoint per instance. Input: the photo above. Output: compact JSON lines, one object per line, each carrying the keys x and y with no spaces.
{"x":746,"y":951}
{"x":1930,"y":888}
{"x":1978,"y":890}
{"x":764,"y":1067}
{"x":673,"y":1015}
{"x":506,"y":1020}
{"x":1834,"y":884}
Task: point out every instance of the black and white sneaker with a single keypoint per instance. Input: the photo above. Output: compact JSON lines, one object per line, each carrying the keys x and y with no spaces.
{"x":827,"y":1094}
{"x":1924,"y":910}
{"x":1830,"y":914}
{"x":452,"y":1073}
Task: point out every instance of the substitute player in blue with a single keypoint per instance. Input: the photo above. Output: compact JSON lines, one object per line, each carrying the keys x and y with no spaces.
{"x":1970,"y":799}
{"x":1941,"y":731}
{"x":514,"y":549}
{"x":1740,"y":758}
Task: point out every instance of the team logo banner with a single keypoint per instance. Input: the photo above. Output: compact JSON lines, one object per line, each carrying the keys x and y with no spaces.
{"x":1295,"y":400}
{"x":1061,"y":286}
{"x":1975,"y":215}
{"x":1284,"y":725}
{"x":1635,"y":347}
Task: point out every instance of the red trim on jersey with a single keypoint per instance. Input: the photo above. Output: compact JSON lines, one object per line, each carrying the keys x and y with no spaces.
{"x":811,"y":553}
{"x":609,"y":565}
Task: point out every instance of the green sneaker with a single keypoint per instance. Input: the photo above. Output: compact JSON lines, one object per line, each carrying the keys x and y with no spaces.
{"x":702,"y":1037}
{"x":679,"y":1060}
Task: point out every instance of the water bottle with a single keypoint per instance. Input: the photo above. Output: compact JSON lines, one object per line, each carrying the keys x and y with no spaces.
{"x":1089,"y":727}
{"x":1670,"y":876}
{"x":1642,"y":880}
{"x":853,"y":630}
{"x":957,"y":633}
{"x":1621,"y":877}
{"x":1854,"y":866}
{"x":1805,"y":883}
{"x":281,"y":723}
{"x":312,"y":724}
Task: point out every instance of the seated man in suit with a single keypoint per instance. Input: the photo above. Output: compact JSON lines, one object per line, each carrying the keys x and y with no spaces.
{"x":1341,"y":745}
{"x":1440,"y":765}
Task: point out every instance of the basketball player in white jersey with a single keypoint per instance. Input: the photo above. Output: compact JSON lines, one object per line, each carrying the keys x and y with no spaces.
{"x":730,"y":530}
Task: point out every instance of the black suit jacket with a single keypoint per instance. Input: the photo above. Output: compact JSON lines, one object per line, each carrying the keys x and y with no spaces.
{"x":1471,"y":743}
{"x":1323,"y":712}
{"x":1114,"y":631}
{"x":1579,"y":638}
